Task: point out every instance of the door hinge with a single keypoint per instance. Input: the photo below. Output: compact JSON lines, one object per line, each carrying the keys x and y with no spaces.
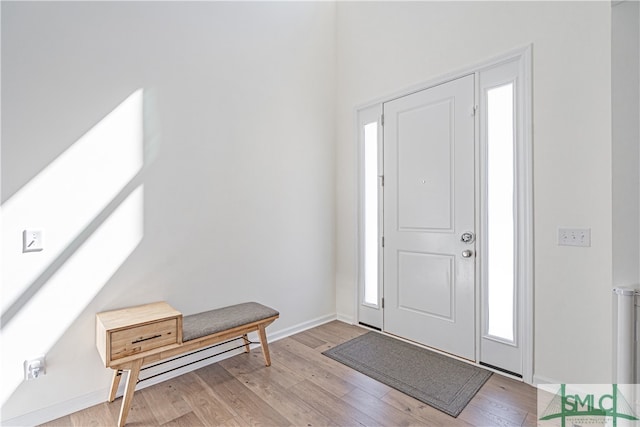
{"x":382,"y":120}
{"x":382,"y":302}
{"x":382,"y":180}
{"x":474,"y":110}
{"x":383,"y":241}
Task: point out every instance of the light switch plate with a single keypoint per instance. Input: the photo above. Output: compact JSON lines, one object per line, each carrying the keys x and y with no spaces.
{"x":574,"y":236}
{"x":32,"y":241}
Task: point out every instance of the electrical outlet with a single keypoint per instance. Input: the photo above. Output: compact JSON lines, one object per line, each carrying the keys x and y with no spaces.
{"x":34,"y":368}
{"x":574,"y":236}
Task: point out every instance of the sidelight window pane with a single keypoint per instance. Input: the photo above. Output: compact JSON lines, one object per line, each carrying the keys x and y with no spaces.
{"x":371,"y":213}
{"x":500,"y":205}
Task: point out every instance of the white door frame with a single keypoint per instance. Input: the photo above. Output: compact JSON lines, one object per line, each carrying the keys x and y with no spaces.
{"x":524,"y":171}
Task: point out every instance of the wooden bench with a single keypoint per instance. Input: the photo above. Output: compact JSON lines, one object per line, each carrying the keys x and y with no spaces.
{"x":131,"y":338}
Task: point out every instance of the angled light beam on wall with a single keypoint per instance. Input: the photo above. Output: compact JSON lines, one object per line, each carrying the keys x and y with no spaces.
{"x":89,"y":204}
{"x":68,"y":194}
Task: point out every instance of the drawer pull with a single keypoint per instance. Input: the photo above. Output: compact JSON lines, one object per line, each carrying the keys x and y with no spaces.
{"x":146,"y":339}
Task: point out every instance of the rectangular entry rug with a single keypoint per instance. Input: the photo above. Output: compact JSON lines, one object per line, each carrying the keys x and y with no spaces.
{"x":445,"y":383}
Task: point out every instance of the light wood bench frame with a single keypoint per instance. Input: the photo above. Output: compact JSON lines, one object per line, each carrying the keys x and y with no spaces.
{"x":134,"y":363}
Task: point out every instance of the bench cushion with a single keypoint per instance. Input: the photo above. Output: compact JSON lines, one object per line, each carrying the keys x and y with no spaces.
{"x":221,"y":319}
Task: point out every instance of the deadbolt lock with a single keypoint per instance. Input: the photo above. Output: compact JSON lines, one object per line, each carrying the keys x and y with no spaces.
{"x":467,"y":237}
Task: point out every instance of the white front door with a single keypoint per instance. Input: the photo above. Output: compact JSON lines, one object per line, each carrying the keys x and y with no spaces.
{"x":429,"y":188}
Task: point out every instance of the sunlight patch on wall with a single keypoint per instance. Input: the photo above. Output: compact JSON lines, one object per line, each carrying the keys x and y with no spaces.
{"x":67,"y":195}
{"x":90,"y":209}
{"x":45,"y":318}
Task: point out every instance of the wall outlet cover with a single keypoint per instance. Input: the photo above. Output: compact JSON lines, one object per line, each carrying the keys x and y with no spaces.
{"x":34,"y":368}
{"x":574,"y":236}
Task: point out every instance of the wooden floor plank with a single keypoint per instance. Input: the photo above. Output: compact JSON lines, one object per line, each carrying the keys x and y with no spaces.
{"x":423,"y":412}
{"x":242,"y":364}
{"x":474,"y":414}
{"x":342,"y":330}
{"x":201,"y":400}
{"x":499,"y":408}
{"x":96,"y":416}
{"x":511,"y":392}
{"x":245,"y":403}
{"x":322,"y":334}
{"x":325,"y":378}
{"x":531,"y":420}
{"x":166,"y":400}
{"x":236,"y":422}
{"x":308,"y":339}
{"x":286,"y":402}
{"x":349,"y":375}
{"x":302,"y":387}
{"x":381,"y":411}
{"x":336,"y":409}
{"x":139,"y":415}
{"x":187,"y":420}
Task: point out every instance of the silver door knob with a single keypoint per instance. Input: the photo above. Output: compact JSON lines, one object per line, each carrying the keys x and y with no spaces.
{"x":466,"y":253}
{"x":467,"y":237}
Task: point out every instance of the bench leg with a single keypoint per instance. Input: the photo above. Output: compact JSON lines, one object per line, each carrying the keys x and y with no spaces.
{"x":132,"y":380}
{"x":264,"y":345}
{"x":115,"y":382}
{"x":247,"y":349}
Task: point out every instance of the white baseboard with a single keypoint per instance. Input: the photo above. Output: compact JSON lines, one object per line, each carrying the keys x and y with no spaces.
{"x":301,"y":327}
{"x":539,"y":379}
{"x":50,"y":413}
{"x":346,"y":319}
{"x":193,"y":361}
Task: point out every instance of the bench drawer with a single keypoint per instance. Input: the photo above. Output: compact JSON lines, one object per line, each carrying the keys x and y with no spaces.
{"x":143,"y":338}
{"x":122,"y":335}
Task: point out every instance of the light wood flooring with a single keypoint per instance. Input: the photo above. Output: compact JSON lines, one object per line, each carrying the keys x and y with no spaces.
{"x":302,"y":388}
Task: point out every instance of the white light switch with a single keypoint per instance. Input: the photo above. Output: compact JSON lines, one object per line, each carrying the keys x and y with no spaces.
{"x":574,"y":236}
{"x":32,"y":241}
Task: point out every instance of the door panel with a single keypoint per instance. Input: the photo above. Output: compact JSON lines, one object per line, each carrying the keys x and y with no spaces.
{"x":427,"y":284}
{"x":424,"y":169}
{"x":429,"y":160}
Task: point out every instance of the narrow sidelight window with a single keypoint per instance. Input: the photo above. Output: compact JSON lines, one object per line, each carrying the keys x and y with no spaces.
{"x":370,"y":215}
{"x":500,"y":206}
{"x":371,"y":231}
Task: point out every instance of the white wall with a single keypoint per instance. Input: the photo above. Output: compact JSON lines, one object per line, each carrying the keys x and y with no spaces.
{"x":385,"y":47}
{"x":241,"y":177}
{"x":238,"y":175}
{"x":625,"y":82}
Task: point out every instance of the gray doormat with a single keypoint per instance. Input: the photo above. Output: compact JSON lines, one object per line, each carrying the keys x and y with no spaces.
{"x":445,"y":383}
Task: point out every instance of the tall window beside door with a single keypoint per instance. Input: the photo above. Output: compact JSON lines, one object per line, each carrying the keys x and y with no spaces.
{"x":500,"y":212}
{"x":371,"y":231}
{"x":370,"y":216}
{"x":506,"y":251}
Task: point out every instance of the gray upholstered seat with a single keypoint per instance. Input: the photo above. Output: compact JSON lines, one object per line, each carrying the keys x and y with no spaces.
{"x":210,"y":322}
